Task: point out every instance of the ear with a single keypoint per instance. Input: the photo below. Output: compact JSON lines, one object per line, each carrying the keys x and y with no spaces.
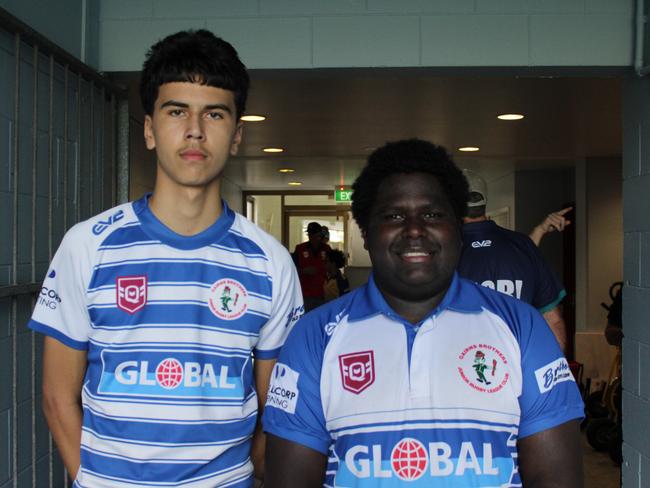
{"x":236,"y":138}
{"x":149,"y":138}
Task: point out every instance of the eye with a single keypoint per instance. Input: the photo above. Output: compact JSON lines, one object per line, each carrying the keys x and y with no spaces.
{"x":176,"y":112}
{"x":393,"y":217}
{"x":214,"y":115}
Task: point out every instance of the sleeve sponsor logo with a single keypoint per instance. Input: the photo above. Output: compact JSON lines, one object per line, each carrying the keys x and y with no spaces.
{"x":102,"y":225}
{"x":131,"y":293}
{"x":483,"y":368}
{"x":357,"y":371}
{"x":49,"y":298}
{"x":283,"y":391}
{"x":553,"y":373}
{"x":187,"y":374}
{"x":485,"y":243}
{"x":294,"y":315}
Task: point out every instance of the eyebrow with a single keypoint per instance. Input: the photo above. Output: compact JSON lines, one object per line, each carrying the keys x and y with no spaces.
{"x":175,"y":103}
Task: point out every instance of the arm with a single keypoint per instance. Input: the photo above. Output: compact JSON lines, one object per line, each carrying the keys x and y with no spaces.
{"x":292,"y":465}
{"x":552,"y":458}
{"x":555,"y":321}
{"x":63,"y":373}
{"x":262,"y":369}
{"x":555,"y":221}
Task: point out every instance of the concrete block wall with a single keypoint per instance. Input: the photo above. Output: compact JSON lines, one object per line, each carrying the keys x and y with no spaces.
{"x":636,"y":294}
{"x":374,"y":33}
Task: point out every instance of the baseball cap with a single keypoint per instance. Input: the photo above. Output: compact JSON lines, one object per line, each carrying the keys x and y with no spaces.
{"x":477,"y":189}
{"x":314,"y":228}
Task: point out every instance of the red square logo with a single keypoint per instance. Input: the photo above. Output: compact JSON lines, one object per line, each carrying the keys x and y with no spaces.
{"x":357,"y":371}
{"x":131,"y":293}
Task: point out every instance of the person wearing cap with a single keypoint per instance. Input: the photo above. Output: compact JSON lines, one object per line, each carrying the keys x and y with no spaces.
{"x":508,"y":261}
{"x":310,"y":260}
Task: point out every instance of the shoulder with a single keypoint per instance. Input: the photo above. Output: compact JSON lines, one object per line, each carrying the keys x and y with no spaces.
{"x":249,"y":238}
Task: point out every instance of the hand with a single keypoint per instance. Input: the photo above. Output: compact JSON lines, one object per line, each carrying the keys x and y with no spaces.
{"x":555,"y":221}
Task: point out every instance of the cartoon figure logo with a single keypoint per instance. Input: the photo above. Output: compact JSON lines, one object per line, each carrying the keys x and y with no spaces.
{"x":409,"y":459}
{"x":357,"y":371}
{"x":131,"y":293}
{"x":490,"y":368}
{"x":228,"y":299}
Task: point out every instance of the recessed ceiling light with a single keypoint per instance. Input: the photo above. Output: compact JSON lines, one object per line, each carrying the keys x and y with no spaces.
{"x":468,"y":148}
{"x":294,"y":183}
{"x":510,"y":117}
{"x":253,"y":118}
{"x":286,"y":170}
{"x":273,"y":149}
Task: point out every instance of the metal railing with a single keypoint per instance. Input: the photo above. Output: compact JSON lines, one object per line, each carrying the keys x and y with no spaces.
{"x":61,"y":165}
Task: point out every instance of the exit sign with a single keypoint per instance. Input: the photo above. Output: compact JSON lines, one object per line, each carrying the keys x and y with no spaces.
{"x":342,"y":196}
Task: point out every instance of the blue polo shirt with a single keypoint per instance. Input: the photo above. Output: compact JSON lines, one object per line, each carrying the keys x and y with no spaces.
{"x":438,"y":403}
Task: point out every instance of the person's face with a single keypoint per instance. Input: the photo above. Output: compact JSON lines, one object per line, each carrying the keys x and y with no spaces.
{"x":315,"y":238}
{"x":194,"y":130}
{"x":413,"y":239}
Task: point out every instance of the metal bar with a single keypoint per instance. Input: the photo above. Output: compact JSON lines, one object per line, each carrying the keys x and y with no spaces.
{"x":50,"y":164}
{"x":66,"y":87}
{"x":77,"y":162}
{"x":93,"y":160}
{"x":14,"y":277}
{"x":123,"y":151}
{"x":33,"y":256}
{"x":20,"y":289}
{"x":13,"y":24}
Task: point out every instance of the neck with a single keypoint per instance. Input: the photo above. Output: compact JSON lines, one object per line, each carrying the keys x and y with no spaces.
{"x":187,"y":210}
{"x":470,"y":220}
{"x":415,"y":311}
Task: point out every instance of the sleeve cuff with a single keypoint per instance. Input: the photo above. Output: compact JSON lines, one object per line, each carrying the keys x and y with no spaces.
{"x":553,"y":304}
{"x":266,"y":354}
{"x":301,"y":438}
{"x":545,"y":423}
{"x":59,"y":336}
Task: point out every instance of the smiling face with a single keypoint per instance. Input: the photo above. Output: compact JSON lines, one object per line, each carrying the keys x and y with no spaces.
{"x":194,"y":130}
{"x":413,"y":238}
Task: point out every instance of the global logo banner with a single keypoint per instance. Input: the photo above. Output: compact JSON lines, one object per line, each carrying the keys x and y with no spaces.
{"x":357,"y":371}
{"x":131,"y":293}
{"x":180,"y":374}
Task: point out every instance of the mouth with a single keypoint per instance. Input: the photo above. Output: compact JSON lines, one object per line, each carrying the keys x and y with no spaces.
{"x":193,"y":155}
{"x":415,"y":255}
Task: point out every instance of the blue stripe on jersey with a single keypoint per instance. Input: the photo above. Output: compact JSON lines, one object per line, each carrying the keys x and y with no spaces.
{"x":243,"y":244}
{"x":59,"y":336}
{"x":145,"y":432}
{"x":182,"y":271}
{"x":237,"y":251}
{"x":194,"y":316}
{"x":432,"y":419}
{"x":125,"y":236}
{"x":164,"y":473}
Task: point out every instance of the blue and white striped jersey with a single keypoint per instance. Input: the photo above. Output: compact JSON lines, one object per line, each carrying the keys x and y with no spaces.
{"x":438,"y":404}
{"x":169,"y":324}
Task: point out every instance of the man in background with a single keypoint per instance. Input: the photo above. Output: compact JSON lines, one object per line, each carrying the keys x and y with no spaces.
{"x":310,"y":259}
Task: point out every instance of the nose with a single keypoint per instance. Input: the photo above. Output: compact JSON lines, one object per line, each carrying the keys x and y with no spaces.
{"x":194,"y":128}
{"x":413,"y":227}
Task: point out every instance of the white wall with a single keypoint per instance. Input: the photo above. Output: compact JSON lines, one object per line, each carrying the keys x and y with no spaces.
{"x":269,"y":214}
{"x":386,"y":33}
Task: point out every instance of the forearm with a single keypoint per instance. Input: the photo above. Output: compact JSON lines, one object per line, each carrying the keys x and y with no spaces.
{"x":536,"y":234}
{"x":64,"y":418}
{"x":556,"y":323}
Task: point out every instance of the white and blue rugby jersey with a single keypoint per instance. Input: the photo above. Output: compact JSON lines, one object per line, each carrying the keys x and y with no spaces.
{"x":439,"y":404}
{"x":169,"y":323}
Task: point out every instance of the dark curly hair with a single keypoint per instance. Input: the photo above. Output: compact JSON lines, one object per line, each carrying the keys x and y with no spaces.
{"x":196,"y":56}
{"x":408,"y":156}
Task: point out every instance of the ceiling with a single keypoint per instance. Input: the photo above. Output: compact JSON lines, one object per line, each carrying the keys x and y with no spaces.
{"x":328,"y":121}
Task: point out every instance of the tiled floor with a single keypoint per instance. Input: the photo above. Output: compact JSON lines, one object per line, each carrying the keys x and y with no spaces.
{"x":600,"y":471}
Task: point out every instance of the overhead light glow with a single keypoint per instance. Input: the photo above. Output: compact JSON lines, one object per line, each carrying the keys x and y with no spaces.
{"x":286,"y":170}
{"x":510,"y":117}
{"x":294,"y":183}
{"x":468,"y":148}
{"x":273,"y":149}
{"x":253,"y":118}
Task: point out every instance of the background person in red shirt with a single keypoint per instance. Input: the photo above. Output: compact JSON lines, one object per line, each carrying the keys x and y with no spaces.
{"x":310,"y":259}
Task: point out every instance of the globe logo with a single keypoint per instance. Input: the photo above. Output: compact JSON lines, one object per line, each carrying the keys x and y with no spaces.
{"x":169,"y":373}
{"x":409,"y":459}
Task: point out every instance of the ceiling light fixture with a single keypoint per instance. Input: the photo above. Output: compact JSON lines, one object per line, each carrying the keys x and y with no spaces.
{"x":294,"y":183}
{"x":286,"y":170}
{"x":253,"y":118}
{"x":510,"y":117}
{"x":468,"y":148}
{"x":273,"y":149}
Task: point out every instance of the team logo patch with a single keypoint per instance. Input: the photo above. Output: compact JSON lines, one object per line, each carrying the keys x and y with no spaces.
{"x":357,"y":371}
{"x":553,"y":373}
{"x":409,"y":459}
{"x":228,"y":299}
{"x":483,"y":368}
{"x":131,"y":293}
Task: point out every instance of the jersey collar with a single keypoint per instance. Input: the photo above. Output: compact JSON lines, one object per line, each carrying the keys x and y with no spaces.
{"x":461,"y":297}
{"x":159,"y":231}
